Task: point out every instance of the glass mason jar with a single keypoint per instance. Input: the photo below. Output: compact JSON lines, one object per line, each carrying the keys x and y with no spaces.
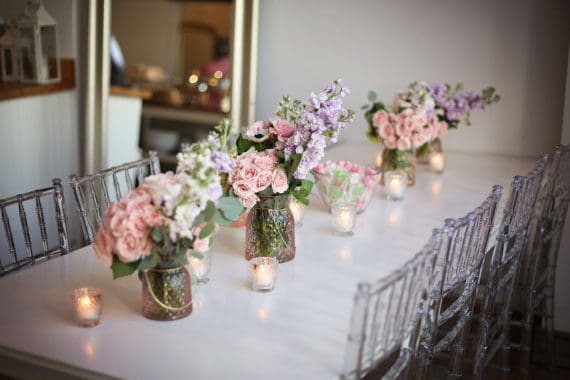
{"x":395,"y":159}
{"x":166,"y":292}
{"x":270,"y":229}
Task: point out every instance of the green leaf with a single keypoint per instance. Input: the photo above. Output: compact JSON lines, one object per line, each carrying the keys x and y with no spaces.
{"x":207,"y":214}
{"x":230,"y":207}
{"x":243,"y":145}
{"x":149,"y":262}
{"x":300,"y":197}
{"x":121,"y":269}
{"x":157,"y":234}
{"x":181,"y":259}
{"x":372,"y":96}
{"x":220,"y":219}
{"x":207,"y":230}
{"x":296,"y":160}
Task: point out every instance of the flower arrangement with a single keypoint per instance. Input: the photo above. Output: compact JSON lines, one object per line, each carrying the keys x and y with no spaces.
{"x":275,"y":156}
{"x":273,"y":160}
{"x":168,"y":216}
{"x":441,"y":105}
{"x":346,"y":181}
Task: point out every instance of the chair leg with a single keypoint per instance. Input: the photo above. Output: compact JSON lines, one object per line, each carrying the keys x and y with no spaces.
{"x":506,"y":346}
{"x":526,"y":342}
{"x":549,"y":319}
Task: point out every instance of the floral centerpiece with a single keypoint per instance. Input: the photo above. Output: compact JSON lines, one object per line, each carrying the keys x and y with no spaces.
{"x":273,"y":160}
{"x":156,"y":225}
{"x":346,"y":181}
{"x":419,"y":116}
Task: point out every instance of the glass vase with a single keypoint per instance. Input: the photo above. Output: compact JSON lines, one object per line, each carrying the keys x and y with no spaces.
{"x":270,"y":229}
{"x":166,"y":292}
{"x":395,"y":159}
{"x":423,"y":153}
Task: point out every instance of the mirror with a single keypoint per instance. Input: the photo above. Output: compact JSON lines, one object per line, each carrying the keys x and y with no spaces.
{"x":187,"y":64}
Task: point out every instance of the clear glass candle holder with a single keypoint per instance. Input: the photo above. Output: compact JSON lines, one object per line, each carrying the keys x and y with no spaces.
{"x":262,"y":273}
{"x":344,"y":218}
{"x":88,"y":305}
{"x":437,"y":162}
{"x":298,"y":211}
{"x":395,"y":184}
{"x":200,"y":267}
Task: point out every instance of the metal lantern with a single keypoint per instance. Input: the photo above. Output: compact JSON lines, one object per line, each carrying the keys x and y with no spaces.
{"x":9,"y":55}
{"x":38,"y":45}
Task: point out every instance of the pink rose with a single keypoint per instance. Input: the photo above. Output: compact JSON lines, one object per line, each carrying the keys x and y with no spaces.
{"x":242,"y":189}
{"x":386,"y":130}
{"x":248,"y":173}
{"x":137,"y":224}
{"x":391,"y":142}
{"x":128,"y":247}
{"x":103,"y":246}
{"x":249,"y":201}
{"x":201,"y":245}
{"x":418,"y":139}
{"x":264,"y":163}
{"x":271,"y":153}
{"x":404,"y":143}
{"x":280,"y":183}
{"x":380,"y":118}
{"x":401,"y":129}
{"x":407,"y":112}
{"x":283,"y":129}
{"x":441,"y":128}
{"x":118,"y":223}
{"x":263,"y":180}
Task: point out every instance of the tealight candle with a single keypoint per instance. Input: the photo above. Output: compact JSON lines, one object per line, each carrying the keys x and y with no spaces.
{"x":262,"y":273}
{"x":344,"y":218}
{"x":395,"y":183}
{"x":200,"y":268}
{"x":88,"y":306}
{"x":378,"y":160}
{"x":437,"y":161}
{"x":298,"y":211}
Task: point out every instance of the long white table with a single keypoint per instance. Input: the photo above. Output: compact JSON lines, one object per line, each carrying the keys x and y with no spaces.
{"x":297,"y":331}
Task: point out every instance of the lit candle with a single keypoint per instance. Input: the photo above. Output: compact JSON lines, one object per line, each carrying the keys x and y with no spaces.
{"x":297,"y":210}
{"x":379,"y":159}
{"x":200,"y":268}
{"x":344,"y":217}
{"x":437,"y":161}
{"x":263,"y":276}
{"x":395,"y":184}
{"x":263,"y":271}
{"x":87,"y":306}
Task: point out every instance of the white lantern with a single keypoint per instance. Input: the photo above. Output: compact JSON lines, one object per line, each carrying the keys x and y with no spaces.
{"x":9,"y":54}
{"x":38,"y":45}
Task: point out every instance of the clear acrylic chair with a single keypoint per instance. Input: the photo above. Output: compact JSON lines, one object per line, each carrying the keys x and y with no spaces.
{"x":453,"y":288}
{"x":501,"y":269}
{"x":35,"y":227}
{"x":94,"y":192}
{"x":536,"y":287}
{"x":385,"y":318}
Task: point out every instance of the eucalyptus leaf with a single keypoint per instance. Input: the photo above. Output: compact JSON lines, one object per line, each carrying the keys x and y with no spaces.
{"x":230,"y":207}
{"x":207,"y":230}
{"x":156,"y":235}
{"x":181,"y":259}
{"x":372,"y":96}
{"x":220,"y":219}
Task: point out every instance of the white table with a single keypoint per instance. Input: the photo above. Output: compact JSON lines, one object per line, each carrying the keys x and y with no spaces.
{"x":296,"y":331}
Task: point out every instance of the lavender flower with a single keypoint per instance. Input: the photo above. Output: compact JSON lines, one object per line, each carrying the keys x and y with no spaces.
{"x":321,"y":117}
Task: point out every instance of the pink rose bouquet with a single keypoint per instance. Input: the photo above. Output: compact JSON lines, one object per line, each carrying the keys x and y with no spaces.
{"x":168,"y":216}
{"x":276,"y":155}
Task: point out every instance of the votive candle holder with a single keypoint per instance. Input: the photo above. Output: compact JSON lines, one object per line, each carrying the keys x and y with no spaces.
{"x":262,"y":273}
{"x":88,"y":306}
{"x":344,"y":218}
{"x":395,"y":184}
{"x":298,"y":211}
{"x":437,"y":162}
{"x":200,"y":267}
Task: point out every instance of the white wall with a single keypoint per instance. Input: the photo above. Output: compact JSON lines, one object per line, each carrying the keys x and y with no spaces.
{"x":39,"y":135}
{"x":520,"y":47}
